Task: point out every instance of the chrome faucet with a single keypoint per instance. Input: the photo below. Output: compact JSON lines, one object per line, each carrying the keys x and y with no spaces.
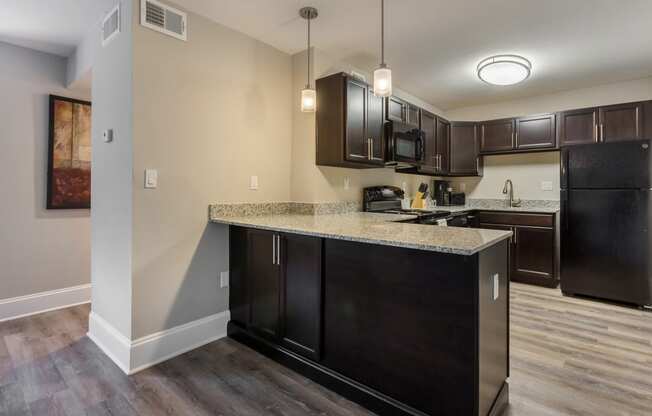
{"x":508,"y":190}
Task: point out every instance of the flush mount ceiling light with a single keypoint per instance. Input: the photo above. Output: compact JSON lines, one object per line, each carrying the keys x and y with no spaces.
{"x":308,"y":94}
{"x":504,"y":69}
{"x":382,"y":75}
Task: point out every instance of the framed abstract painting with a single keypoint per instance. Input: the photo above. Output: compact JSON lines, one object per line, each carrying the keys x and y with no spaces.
{"x":69,"y":154}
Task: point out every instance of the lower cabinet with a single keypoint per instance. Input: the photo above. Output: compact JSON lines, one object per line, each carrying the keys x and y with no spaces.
{"x":276,"y":287}
{"x":534,"y":251}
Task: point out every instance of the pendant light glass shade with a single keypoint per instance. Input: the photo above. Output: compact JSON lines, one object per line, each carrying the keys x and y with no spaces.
{"x":308,"y":100}
{"x":382,"y":75}
{"x":383,"y":82}
{"x":308,"y":94}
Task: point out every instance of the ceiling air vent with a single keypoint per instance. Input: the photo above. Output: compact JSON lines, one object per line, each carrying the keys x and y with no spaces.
{"x":111,"y":25}
{"x":163,"y":18}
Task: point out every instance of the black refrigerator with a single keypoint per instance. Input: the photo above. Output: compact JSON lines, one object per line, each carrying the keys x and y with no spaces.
{"x":605,"y":217}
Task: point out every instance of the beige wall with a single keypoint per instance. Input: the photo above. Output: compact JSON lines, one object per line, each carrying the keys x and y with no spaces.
{"x":208,"y":114}
{"x":312,"y":183}
{"x":527,"y":171}
{"x":40,"y":250}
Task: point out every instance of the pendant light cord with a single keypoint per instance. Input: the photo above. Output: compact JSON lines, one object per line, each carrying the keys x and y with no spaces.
{"x":382,"y":32}
{"x":309,"y":51}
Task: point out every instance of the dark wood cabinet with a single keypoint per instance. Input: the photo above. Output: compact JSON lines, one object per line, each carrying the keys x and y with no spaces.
{"x":396,"y":109}
{"x":464,"y":158}
{"x":578,"y":126}
{"x":443,"y":138}
{"x":413,"y":115}
{"x":621,"y":122}
{"x":534,"y":253}
{"x":350,"y":123}
{"x":497,"y":136}
{"x":276,"y":287}
{"x":535,"y":132}
{"x":647,"y":120}
{"x":264,"y":278}
{"x":301,"y":263}
{"x":533,"y":259}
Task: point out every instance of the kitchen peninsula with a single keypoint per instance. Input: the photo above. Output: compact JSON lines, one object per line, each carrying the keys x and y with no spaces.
{"x":402,"y":318}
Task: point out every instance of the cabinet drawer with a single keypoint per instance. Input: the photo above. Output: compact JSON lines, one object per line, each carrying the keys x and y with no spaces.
{"x":517,"y":218}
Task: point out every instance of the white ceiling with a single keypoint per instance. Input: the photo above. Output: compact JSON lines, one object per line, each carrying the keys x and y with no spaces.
{"x":53,"y":26}
{"x":433,"y":46}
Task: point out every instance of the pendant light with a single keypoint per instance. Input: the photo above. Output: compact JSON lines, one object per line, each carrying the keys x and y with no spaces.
{"x":308,"y":94}
{"x":382,"y":75}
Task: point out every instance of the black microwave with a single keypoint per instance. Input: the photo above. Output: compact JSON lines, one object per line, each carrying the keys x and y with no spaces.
{"x":405,"y":144}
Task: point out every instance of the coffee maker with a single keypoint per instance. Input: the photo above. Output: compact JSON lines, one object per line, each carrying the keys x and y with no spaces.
{"x":441,"y":193}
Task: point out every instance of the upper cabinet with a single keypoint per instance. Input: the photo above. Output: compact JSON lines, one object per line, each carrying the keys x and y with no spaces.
{"x":464,"y":158}
{"x":647,"y":120}
{"x":621,"y":122}
{"x":517,"y":135}
{"x":350,"y":123}
{"x":578,"y":126}
{"x":497,"y":136}
{"x":535,"y":132}
{"x":605,"y":124}
{"x":443,"y":139}
{"x":437,"y":146}
{"x":396,"y":109}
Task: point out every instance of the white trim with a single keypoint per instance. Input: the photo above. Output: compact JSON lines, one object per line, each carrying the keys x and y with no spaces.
{"x":142,"y":353}
{"x":22,"y":306}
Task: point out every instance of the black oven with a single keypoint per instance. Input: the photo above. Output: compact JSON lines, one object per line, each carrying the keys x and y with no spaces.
{"x":404,"y":144}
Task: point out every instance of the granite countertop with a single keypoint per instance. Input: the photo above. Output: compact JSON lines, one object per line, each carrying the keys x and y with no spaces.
{"x":366,"y":228}
{"x":534,"y":206}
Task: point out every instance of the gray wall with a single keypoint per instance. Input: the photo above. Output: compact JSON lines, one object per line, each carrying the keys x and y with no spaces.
{"x":111,"y":216}
{"x":40,"y":250}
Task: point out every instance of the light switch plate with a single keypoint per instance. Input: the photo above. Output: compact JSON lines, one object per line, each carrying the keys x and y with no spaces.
{"x":546,"y":185}
{"x":253,"y":183}
{"x":107,"y":135}
{"x":151,"y":178}
{"x":496,"y":281}
{"x":224,"y":279}
{"x":347,"y":183}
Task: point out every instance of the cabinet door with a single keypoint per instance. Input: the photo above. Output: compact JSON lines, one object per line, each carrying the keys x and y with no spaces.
{"x":464,"y":149}
{"x":578,"y":126}
{"x":396,"y":109}
{"x":357,"y":145}
{"x":534,"y":255}
{"x":443,"y":142}
{"x":264,"y":283}
{"x":301,"y":300}
{"x":621,"y":122}
{"x":647,"y":120}
{"x":413,"y":113}
{"x":239,"y":284}
{"x":429,"y":127}
{"x":536,"y":132}
{"x":376,"y":126}
{"x":497,"y":136}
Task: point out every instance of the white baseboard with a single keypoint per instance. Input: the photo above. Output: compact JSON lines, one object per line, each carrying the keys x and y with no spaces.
{"x":22,"y":306}
{"x":142,"y":353}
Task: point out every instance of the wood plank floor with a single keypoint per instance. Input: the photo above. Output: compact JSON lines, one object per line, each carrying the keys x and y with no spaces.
{"x":569,"y":357}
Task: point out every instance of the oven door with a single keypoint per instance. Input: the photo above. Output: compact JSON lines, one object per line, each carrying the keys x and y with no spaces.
{"x":408,"y":146}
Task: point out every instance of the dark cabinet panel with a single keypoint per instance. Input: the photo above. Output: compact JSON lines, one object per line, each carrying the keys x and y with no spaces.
{"x":647,"y":120}
{"x":443,"y":144}
{"x":350,"y":123}
{"x":301,"y":312}
{"x":396,"y":109}
{"x":621,"y":122}
{"x":375,"y":126}
{"x":429,"y":127}
{"x":578,"y":126}
{"x":496,"y":136}
{"x":239,"y":290}
{"x":534,"y":255}
{"x":357,"y":146}
{"x":464,"y":159}
{"x":263,"y":275}
{"x":413,"y":113}
{"x":536,"y":132}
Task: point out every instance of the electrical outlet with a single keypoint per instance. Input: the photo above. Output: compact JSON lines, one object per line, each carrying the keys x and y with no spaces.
{"x":151,"y":178}
{"x":224,"y":279}
{"x":546,"y":185}
{"x":253,"y":183}
{"x":347,"y":183}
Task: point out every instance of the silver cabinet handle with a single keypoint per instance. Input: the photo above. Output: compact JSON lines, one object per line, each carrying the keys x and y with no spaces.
{"x":515,"y":238}
{"x":278,"y":250}
{"x":516,"y":138}
{"x":274,"y":249}
{"x":637,"y":130}
{"x":602,"y":132}
{"x":595,"y":130}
